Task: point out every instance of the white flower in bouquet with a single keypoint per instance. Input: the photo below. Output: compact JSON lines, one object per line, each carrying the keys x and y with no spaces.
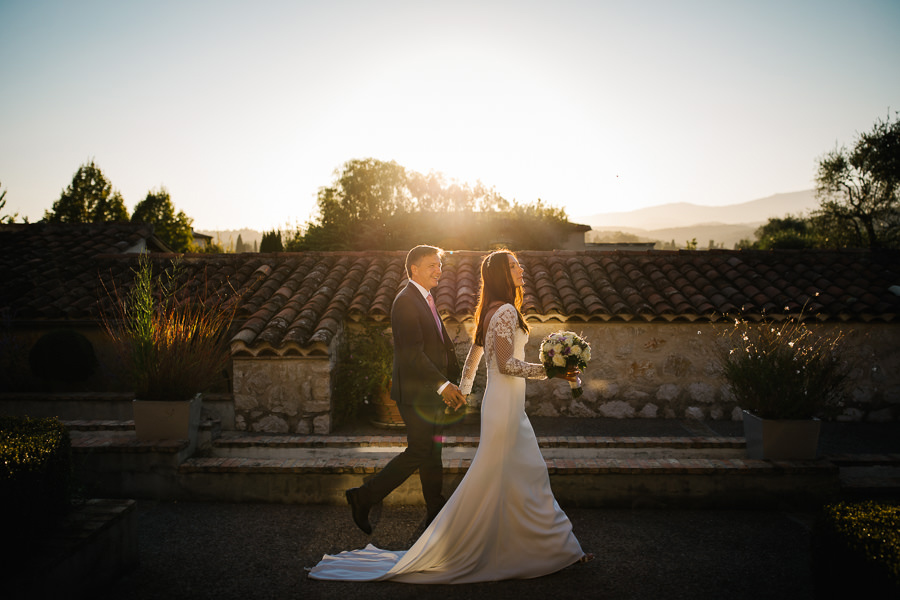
{"x":563,"y":350}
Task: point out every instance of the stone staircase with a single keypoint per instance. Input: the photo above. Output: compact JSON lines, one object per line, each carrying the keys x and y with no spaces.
{"x":696,"y":471}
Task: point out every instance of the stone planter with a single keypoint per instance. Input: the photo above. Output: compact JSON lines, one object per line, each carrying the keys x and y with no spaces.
{"x":167,"y":419}
{"x":776,"y":439}
{"x":387,"y":414}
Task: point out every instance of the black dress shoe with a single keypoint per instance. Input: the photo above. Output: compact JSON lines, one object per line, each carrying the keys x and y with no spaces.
{"x":359,"y":510}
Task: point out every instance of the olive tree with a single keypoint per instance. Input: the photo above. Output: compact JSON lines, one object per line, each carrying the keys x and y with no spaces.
{"x":858,"y":189}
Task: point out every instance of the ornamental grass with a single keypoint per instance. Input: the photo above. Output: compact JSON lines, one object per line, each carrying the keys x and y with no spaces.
{"x":174,"y":342}
{"x":784,"y":369}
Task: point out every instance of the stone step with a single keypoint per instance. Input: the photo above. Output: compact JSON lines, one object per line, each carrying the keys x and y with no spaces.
{"x":864,"y":460}
{"x":871,"y":481}
{"x":90,"y":425}
{"x":589,"y":482}
{"x":585,"y":470}
{"x":80,"y":425}
{"x":270,"y":446}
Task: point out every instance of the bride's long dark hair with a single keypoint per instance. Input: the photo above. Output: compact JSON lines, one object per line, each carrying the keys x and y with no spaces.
{"x":497,"y":287}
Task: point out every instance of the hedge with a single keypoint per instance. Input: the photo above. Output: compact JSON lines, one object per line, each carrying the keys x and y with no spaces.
{"x":35,"y":473}
{"x":856,"y":548}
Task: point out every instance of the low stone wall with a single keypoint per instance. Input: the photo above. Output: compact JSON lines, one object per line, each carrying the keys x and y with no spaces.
{"x":282,"y":394}
{"x":669,"y":370}
{"x":638,"y":370}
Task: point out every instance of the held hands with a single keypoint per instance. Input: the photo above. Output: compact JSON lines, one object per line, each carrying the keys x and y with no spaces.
{"x":453,"y":398}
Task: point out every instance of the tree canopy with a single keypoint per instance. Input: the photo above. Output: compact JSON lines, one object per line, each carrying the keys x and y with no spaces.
{"x":789,"y":233}
{"x":858,"y":190}
{"x":90,"y":198}
{"x":271,"y":242}
{"x":374,"y":204}
{"x":174,"y":229}
{"x":6,"y":219}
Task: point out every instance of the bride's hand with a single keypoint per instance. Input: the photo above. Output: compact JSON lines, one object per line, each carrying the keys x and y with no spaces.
{"x":571,"y":374}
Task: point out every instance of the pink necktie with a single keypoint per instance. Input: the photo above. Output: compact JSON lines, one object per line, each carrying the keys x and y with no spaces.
{"x":437,"y":319}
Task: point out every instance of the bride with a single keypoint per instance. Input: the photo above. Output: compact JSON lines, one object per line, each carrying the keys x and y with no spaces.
{"x":502,"y":522}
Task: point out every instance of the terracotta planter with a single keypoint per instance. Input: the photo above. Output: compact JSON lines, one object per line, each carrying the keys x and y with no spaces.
{"x":167,"y":420}
{"x":776,"y":439}
{"x":386,"y":412}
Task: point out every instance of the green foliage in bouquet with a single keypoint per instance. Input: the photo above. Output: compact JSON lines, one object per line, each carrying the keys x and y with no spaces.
{"x":173,"y":340}
{"x":783,"y":370}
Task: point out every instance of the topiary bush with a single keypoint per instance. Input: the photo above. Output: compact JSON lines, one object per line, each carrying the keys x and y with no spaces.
{"x":855,"y":548}
{"x":35,"y":475}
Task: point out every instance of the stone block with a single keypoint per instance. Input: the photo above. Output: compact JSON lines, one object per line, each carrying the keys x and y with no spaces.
{"x":885,"y":415}
{"x":271,"y":424}
{"x":649,"y":411}
{"x":578,"y":409}
{"x":667,"y":392}
{"x":701,"y":392}
{"x":617,"y":410}
{"x":694,"y":412}
{"x":322,"y":424}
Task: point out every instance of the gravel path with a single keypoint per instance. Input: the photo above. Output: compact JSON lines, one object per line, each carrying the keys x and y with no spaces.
{"x":259,"y":551}
{"x":252,"y":551}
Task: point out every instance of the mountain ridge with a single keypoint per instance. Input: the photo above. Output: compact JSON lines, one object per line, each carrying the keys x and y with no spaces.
{"x":686,"y":214}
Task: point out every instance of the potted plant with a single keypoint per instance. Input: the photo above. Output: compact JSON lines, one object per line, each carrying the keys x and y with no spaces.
{"x":363,"y":376}
{"x":174,"y":345}
{"x":785,"y":377}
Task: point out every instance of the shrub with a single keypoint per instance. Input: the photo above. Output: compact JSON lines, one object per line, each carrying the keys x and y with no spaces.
{"x":856,"y":547}
{"x":783,"y":370}
{"x":35,"y":473}
{"x":363,"y":370}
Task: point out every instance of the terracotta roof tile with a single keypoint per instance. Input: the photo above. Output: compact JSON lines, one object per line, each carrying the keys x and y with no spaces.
{"x":290,"y":301}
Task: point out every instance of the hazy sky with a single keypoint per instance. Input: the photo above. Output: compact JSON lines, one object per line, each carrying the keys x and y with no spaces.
{"x":243,"y":110}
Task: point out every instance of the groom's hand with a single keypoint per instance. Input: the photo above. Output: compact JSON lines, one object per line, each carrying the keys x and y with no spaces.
{"x":453,"y":397}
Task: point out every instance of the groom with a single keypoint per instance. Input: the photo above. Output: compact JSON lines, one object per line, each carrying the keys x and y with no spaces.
{"x":425,"y":367}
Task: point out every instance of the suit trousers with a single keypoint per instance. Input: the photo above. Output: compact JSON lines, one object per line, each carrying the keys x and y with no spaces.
{"x":424,"y":433}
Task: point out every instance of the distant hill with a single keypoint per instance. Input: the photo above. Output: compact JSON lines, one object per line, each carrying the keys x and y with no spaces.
{"x":681,"y":222}
{"x":683,"y":214}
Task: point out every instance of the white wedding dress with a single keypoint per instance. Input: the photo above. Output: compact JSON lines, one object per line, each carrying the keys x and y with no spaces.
{"x":502,"y":522}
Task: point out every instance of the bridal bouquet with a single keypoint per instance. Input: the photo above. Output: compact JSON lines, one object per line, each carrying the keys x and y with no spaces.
{"x":562,"y":350}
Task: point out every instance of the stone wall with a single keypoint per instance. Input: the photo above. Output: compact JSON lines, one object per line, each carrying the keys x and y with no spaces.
{"x":668,"y":370}
{"x":282,"y":394}
{"x":638,"y":370}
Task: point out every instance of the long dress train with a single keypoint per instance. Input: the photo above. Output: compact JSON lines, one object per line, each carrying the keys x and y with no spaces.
{"x":502,"y":522}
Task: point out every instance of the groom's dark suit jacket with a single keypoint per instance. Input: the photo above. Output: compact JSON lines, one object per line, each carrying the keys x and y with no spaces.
{"x":422,"y":361}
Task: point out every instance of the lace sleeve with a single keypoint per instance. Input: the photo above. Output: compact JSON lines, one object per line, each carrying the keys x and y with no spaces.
{"x":470,"y":369}
{"x":504,"y":332}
